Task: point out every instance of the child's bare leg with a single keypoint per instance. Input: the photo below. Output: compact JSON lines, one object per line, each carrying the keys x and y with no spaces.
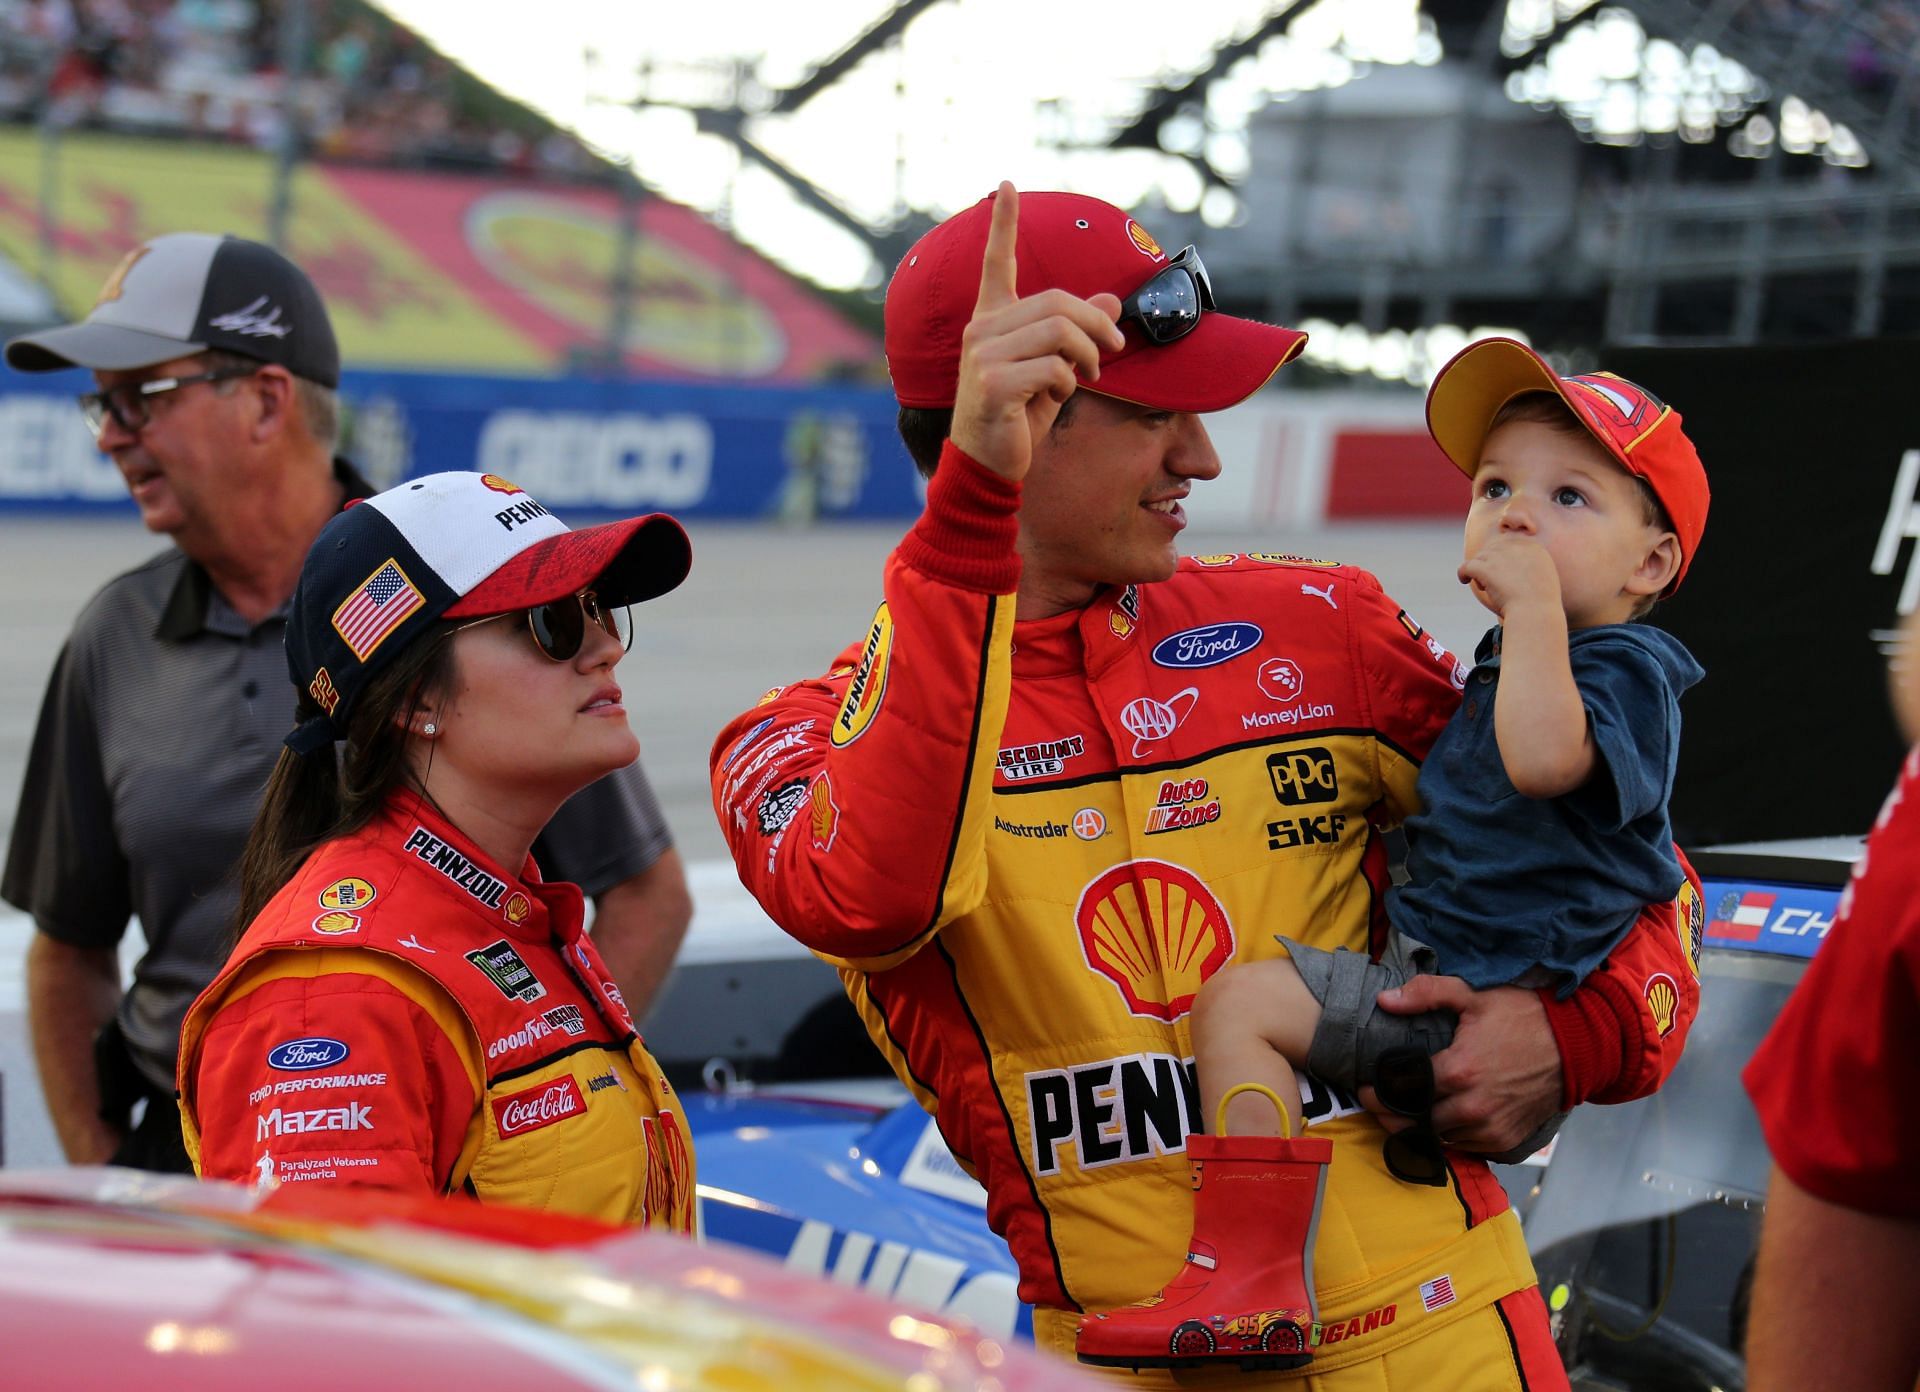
{"x":1252,"y":1024}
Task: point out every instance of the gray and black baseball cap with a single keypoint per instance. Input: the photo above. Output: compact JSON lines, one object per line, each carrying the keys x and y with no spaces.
{"x":185,"y":293}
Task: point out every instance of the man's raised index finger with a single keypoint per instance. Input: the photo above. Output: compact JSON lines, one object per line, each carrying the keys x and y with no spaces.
{"x":999,"y":268}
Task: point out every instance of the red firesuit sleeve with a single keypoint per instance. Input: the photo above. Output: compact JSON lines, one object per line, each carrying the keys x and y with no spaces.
{"x":338,"y":1077}
{"x":856,"y":804}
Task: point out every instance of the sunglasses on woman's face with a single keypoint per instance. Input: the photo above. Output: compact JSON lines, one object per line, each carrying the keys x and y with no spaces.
{"x":1403,"y":1081}
{"x":559,"y":626}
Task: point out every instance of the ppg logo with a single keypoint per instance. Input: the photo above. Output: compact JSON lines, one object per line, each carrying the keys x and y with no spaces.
{"x":1303,"y":775}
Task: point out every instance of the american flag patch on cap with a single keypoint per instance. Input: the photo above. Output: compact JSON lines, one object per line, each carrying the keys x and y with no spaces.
{"x":1437,"y":1294}
{"x":380,"y":604}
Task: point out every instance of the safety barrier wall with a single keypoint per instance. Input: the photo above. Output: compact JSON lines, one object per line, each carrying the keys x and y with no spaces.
{"x":585,"y":446}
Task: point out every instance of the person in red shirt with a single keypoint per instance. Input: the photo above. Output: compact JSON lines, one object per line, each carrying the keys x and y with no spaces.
{"x":410,"y":1006}
{"x":1834,"y":1083}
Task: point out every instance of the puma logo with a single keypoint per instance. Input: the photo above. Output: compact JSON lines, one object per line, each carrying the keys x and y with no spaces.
{"x":1326,"y":594}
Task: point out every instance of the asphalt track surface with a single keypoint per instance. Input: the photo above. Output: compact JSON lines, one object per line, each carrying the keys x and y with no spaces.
{"x":763,"y":605}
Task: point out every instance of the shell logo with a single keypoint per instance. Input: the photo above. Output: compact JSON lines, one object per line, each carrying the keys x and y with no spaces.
{"x":1143,"y":240}
{"x":337,"y":922}
{"x":517,"y":908}
{"x":1157,"y":933}
{"x":825,"y":816}
{"x":500,"y":485}
{"x":350,"y":893}
{"x":1216,"y":560}
{"x":1121,"y":625}
{"x":869,"y":684}
{"x":1663,"y":1000}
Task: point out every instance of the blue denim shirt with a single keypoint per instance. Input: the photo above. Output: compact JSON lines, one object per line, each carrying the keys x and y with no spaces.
{"x":1502,"y":884}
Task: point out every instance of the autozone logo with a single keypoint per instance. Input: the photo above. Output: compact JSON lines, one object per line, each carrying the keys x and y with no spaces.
{"x":538,"y":1107}
{"x":1182,"y":803}
{"x":1134,"y":1107}
{"x":355,"y":1116}
{"x":1303,"y":776}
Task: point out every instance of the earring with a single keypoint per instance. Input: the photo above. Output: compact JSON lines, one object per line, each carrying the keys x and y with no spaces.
{"x":431,"y":729}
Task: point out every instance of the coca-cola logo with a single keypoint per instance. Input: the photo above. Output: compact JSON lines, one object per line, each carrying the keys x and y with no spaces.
{"x":538,"y":1106}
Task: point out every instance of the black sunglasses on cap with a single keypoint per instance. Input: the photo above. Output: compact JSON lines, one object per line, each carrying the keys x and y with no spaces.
{"x":1403,"y":1081}
{"x":1169,"y":305}
{"x":559,"y":626}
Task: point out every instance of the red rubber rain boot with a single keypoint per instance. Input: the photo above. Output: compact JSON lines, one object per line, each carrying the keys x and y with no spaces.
{"x":1245,"y":1294}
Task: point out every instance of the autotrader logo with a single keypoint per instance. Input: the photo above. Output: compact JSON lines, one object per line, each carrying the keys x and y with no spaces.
{"x":1302,"y":776}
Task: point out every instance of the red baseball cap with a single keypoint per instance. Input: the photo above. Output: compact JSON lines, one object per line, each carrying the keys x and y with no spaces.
{"x":1069,"y":242}
{"x":1633,"y":425}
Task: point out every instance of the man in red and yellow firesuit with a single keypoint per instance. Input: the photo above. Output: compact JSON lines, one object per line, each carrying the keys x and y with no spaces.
{"x":1028,"y":843}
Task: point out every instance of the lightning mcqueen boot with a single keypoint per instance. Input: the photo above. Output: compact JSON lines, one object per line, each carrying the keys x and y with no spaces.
{"x":1245,"y":1293}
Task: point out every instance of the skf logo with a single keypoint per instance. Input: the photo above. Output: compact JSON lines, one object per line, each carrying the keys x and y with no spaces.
{"x":322,"y":690}
{"x":1663,"y":1001}
{"x":1156,"y":932}
{"x":1143,"y":241}
{"x":1301,"y":776}
{"x":1181,"y":805}
{"x":825,"y":815}
{"x":337,"y":923}
{"x":500,"y":485}
{"x":869,"y":684}
{"x":349,"y":893}
{"x":1291,"y":833}
{"x":518,"y":908}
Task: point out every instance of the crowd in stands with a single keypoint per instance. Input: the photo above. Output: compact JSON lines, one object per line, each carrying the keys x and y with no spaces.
{"x":213,"y":69}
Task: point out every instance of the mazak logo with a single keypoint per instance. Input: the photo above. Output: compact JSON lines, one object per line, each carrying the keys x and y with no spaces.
{"x":1280,"y":679}
{"x":303,"y":1055}
{"x":1040,"y":760}
{"x":355,"y":1116}
{"x":1182,"y":805}
{"x":538,"y":1107}
{"x":1149,"y":721}
{"x":1207,"y":647}
{"x":1302,"y":776}
{"x":1156,"y":932}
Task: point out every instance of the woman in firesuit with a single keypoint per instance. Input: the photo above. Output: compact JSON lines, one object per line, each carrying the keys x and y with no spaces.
{"x":410,"y":1006}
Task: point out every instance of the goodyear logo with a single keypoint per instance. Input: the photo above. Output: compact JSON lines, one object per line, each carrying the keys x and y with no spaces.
{"x":869,"y":685}
{"x":1156,"y":932}
{"x":350,"y":893}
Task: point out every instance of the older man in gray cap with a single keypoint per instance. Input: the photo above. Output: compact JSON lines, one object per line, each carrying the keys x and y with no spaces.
{"x":216,"y":368}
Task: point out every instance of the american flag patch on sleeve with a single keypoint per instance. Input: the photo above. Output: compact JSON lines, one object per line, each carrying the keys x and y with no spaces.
{"x":381,"y":604}
{"x":1437,"y":1294}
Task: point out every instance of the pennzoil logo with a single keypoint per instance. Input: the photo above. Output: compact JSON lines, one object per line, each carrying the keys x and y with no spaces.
{"x":337,"y":922}
{"x":869,"y":685}
{"x":350,"y":893}
{"x":1690,"y":921}
{"x":322,"y":689}
{"x":1156,"y":932}
{"x":1663,"y":1001}
{"x":500,"y":485}
{"x":1287,"y":558}
{"x":1143,"y":241}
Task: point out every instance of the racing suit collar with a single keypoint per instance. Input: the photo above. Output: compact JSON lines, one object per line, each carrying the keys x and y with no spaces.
{"x":523,"y":907}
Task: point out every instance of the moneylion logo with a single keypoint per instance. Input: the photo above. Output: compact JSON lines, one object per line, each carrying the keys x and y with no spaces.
{"x":869,"y":685}
{"x":1156,"y":932}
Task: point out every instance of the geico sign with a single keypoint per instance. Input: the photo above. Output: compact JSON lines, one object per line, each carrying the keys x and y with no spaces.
{"x":45,"y":452}
{"x":619,"y":461}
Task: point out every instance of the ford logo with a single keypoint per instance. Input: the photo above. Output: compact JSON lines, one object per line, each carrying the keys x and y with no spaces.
{"x":1206,"y":647}
{"x":299,"y":1055}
